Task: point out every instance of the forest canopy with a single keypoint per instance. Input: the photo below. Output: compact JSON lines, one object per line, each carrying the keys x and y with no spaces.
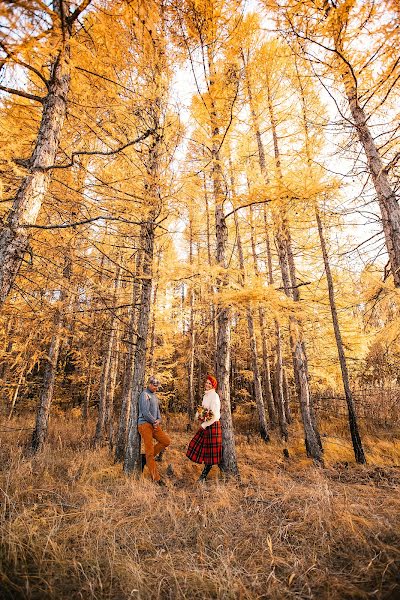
{"x":195,"y":186}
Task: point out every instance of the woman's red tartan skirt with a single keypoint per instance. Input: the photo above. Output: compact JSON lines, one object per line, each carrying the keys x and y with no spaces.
{"x":206,"y":446}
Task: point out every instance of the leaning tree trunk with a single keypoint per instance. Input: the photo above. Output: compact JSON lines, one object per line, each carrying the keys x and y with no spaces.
{"x":132,"y":454}
{"x":388,"y":203}
{"x":354,"y":431}
{"x":14,"y":236}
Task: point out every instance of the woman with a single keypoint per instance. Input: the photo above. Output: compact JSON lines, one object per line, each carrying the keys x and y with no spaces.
{"x":206,"y":446}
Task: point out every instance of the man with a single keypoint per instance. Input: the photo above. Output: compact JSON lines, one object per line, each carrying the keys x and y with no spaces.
{"x":149,"y":428}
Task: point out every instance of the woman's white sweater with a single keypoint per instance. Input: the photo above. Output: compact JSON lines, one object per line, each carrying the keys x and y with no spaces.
{"x":211,"y":401}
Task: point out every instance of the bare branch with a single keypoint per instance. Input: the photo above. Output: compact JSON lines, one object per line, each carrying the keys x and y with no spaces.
{"x":78,"y":11}
{"x":101,"y":153}
{"x":246,"y":205}
{"x":24,"y":64}
{"x":84,"y":222}
{"x":22,"y":94}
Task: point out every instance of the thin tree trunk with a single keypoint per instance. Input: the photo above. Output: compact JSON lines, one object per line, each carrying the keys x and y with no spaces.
{"x":153,"y":313}
{"x":354,"y":431}
{"x":279,"y":395}
{"x":286,"y":394}
{"x":192,"y":333}
{"x":278,"y":349}
{"x":39,"y":435}
{"x":263,"y":330}
{"x":105,"y":375}
{"x":288,"y":271}
{"x":109,"y":421}
{"x":263,"y":427}
{"x":85,"y":410}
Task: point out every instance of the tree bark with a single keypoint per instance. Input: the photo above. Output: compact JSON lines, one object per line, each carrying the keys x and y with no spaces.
{"x":279,"y":374}
{"x":258,"y":393}
{"x":192,"y":333}
{"x":132,"y":455}
{"x":354,"y":430}
{"x":109,"y":421}
{"x":85,"y":409}
{"x":120,"y":446}
{"x":388,"y":203}
{"x":263,"y":329}
{"x":105,"y":375}
{"x":14,"y":237}
{"x":288,"y":272}
{"x":39,"y":435}
{"x":229,"y":460}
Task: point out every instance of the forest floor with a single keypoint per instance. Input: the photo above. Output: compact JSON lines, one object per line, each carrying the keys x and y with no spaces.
{"x":72,"y":525}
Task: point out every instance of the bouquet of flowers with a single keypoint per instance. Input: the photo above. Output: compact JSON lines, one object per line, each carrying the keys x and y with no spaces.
{"x":204,"y":414}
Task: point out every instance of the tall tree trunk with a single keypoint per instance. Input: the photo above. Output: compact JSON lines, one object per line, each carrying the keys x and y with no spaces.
{"x":192,"y":333}
{"x":354,"y":431}
{"x":209,"y":256}
{"x":263,"y":329}
{"x":153,"y":314}
{"x":279,"y":395}
{"x":288,"y":271}
{"x":14,"y":236}
{"x":258,"y":393}
{"x":39,"y":435}
{"x":109,"y":421}
{"x":85,"y":409}
{"x":132,"y":455}
{"x":129,"y":367}
{"x":286,"y":394}
{"x":229,"y":460}
{"x":105,"y":375}
{"x":278,"y":379}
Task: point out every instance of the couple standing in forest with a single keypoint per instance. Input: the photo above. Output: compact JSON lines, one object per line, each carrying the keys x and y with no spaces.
{"x":206,"y":445}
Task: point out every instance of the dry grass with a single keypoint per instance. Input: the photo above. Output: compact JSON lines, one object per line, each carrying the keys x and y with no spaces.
{"x":73,"y":526}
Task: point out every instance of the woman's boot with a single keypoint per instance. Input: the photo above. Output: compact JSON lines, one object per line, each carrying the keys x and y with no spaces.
{"x":205,"y":472}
